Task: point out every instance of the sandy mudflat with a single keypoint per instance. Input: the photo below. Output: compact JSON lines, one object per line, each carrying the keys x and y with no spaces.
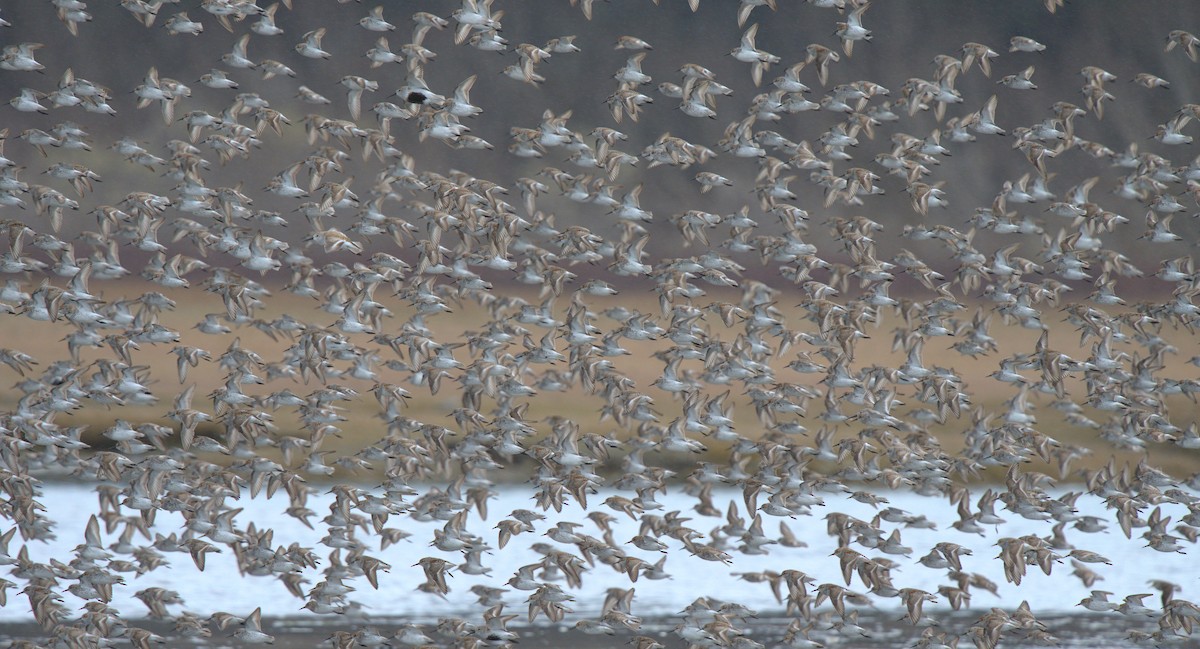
{"x":885,"y":630}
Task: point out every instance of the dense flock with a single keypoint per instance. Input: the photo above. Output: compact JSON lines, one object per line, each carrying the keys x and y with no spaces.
{"x":559,"y":275}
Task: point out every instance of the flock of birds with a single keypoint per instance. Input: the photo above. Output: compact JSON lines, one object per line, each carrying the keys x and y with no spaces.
{"x":456,"y":239}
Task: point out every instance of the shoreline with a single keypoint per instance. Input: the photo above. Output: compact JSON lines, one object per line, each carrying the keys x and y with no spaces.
{"x":875,"y":629}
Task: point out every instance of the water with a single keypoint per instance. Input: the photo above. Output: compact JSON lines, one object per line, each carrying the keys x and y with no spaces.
{"x":221,"y":588}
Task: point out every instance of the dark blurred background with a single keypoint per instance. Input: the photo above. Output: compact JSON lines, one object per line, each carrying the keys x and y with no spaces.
{"x":1125,"y":38}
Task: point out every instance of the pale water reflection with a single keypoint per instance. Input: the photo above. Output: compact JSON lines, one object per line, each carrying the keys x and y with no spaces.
{"x":220,"y":588}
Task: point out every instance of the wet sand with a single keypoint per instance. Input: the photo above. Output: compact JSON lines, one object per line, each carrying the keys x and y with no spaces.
{"x":884,"y":630}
